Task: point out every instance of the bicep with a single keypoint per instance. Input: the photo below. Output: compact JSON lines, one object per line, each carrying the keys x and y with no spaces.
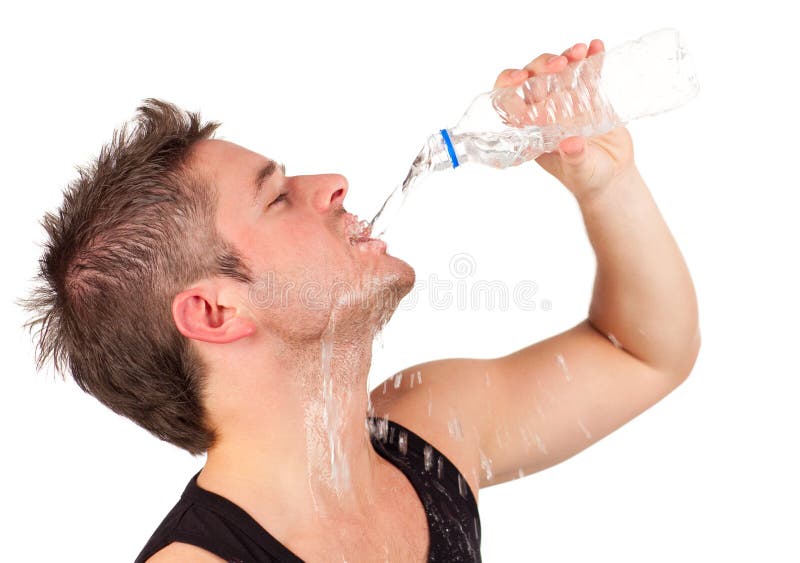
{"x":555,"y":398}
{"x":511,"y":416}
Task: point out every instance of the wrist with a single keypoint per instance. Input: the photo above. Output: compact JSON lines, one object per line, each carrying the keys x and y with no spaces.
{"x":621,"y":183}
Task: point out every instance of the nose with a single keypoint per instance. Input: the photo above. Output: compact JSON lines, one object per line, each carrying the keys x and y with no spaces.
{"x":327,"y":191}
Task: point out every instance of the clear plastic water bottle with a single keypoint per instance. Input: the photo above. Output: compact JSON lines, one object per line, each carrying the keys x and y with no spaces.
{"x":510,"y":126}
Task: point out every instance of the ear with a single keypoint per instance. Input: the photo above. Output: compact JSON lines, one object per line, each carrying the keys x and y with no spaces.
{"x":199,"y":316}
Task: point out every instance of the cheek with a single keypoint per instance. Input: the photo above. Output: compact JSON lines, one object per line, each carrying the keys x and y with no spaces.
{"x":316,"y":242}
{"x":305,"y":252}
{"x":316,"y":256}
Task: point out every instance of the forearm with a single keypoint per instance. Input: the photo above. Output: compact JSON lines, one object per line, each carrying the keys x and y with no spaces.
{"x":643,"y":295}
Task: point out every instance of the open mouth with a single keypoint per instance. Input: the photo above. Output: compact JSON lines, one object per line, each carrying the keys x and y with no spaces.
{"x":357,"y":231}
{"x":358,"y":234}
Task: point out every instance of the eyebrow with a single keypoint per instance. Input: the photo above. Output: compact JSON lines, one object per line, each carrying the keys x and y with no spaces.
{"x":263,"y":175}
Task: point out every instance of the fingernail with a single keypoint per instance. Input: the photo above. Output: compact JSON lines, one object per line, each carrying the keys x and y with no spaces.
{"x":517,"y":74}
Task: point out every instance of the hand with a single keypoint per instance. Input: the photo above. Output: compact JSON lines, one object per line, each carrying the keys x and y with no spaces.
{"x":584,"y":165}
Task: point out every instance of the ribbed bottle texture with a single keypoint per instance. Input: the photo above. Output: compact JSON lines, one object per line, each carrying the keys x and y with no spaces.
{"x":509,"y":126}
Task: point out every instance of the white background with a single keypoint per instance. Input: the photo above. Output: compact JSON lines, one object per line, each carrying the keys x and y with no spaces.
{"x":708,"y":474}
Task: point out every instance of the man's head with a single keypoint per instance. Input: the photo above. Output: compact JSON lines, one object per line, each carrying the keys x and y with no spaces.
{"x":159,"y":246}
{"x":299,"y":242}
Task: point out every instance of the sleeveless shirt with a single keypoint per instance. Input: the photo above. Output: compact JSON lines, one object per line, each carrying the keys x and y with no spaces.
{"x":214,"y":523}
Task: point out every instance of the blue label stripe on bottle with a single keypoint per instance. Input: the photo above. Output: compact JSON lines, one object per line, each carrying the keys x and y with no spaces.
{"x":450,"y":150}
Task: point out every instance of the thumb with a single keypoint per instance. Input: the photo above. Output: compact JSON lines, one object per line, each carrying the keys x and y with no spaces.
{"x":572,"y":150}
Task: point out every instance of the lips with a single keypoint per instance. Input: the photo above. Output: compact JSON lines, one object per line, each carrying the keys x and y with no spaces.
{"x":356,"y":231}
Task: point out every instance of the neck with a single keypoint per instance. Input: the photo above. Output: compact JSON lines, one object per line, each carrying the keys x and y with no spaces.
{"x":293,"y":438}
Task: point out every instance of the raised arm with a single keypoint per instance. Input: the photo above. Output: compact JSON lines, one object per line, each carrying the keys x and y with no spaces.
{"x":540,"y":405}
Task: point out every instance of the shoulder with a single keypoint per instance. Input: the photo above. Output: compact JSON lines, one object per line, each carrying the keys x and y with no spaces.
{"x":178,"y":552}
{"x":428,"y":403}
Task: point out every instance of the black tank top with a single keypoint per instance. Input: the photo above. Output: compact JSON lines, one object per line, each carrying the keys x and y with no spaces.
{"x":216,"y":524}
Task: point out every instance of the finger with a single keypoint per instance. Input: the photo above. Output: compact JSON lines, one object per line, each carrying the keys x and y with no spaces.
{"x":506,"y":99}
{"x":511,"y":77}
{"x":571,"y":146}
{"x":546,"y":62}
{"x":576,"y":52}
{"x":535,"y":96}
{"x":513,"y":106}
{"x":596,"y":46}
{"x":580,"y":50}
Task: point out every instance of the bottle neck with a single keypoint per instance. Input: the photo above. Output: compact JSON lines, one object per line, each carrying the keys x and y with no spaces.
{"x":446,"y":151}
{"x":448,"y":145}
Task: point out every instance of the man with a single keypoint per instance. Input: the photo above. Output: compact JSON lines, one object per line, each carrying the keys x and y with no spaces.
{"x":194,"y":287}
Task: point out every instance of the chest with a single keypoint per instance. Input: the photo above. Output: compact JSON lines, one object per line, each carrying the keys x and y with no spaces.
{"x":367,"y":546}
{"x":397,"y":532}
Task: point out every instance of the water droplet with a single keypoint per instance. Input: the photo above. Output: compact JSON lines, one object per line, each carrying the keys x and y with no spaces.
{"x":520,"y":473}
{"x":614,"y":340}
{"x":383,"y":427}
{"x":486,"y":464}
{"x":455,"y":428}
{"x":384,"y":386}
{"x":403,"y":442}
{"x":462,"y":486}
{"x":500,"y":443}
{"x":439,"y":467}
{"x":562,"y":363}
{"x":488,"y":383}
{"x":585,"y":430}
{"x":398,"y":378}
{"x":427,"y":454}
{"x":525,"y":437}
{"x":540,"y":443}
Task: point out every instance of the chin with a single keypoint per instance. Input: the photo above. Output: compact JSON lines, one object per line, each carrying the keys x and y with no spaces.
{"x":405,"y":275}
{"x":387,"y":286}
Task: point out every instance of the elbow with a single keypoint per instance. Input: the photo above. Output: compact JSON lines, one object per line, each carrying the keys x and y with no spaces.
{"x":689,"y":357}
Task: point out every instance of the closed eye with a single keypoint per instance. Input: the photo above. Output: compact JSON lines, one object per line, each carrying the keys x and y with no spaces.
{"x":280,"y":197}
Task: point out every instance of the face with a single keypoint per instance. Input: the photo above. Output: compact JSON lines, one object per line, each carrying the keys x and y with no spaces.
{"x":298,"y":240}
